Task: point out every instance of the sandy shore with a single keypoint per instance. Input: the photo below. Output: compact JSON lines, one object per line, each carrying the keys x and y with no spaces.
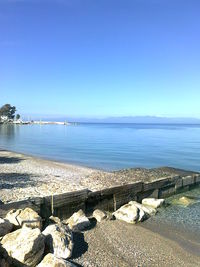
{"x":23,"y":176}
{"x":118,"y":244}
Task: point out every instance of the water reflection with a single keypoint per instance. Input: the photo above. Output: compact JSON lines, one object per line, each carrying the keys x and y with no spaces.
{"x":8,"y":131}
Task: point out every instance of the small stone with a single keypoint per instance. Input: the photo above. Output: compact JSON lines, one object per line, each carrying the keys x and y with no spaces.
{"x":59,"y":240}
{"x":99,"y":215}
{"x":78,"y":221}
{"x":5,"y":227}
{"x":153,"y":202}
{"x":51,"y":260}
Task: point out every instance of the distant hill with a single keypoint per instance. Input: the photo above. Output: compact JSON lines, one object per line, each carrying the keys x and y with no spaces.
{"x":128,"y":119}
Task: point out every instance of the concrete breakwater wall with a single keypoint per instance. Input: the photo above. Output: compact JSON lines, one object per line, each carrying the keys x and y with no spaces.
{"x":110,"y":199}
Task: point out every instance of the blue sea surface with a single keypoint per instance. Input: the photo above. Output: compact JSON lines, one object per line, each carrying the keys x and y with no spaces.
{"x":108,"y":146}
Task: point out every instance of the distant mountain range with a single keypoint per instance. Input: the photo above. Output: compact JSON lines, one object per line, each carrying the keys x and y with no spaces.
{"x":128,"y":119}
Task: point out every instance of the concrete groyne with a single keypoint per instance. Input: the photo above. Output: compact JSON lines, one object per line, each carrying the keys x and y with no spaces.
{"x":110,"y":199}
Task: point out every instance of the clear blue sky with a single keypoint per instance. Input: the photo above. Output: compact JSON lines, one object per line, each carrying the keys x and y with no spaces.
{"x":98,"y":58}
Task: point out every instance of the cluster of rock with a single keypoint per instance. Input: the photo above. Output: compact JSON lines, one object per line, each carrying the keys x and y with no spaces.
{"x":24,"y":240}
{"x":134,"y":212}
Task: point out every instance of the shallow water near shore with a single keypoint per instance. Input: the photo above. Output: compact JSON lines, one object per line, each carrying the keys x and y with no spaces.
{"x":179,"y":222}
{"x":108,"y":146}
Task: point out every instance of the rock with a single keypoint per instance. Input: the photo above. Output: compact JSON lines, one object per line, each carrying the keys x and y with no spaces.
{"x":59,"y":240}
{"x":53,"y":219}
{"x":4,"y":263}
{"x":51,"y":260}
{"x":128,"y":213}
{"x":12,"y":216}
{"x":26,"y":217}
{"x":5,"y":227}
{"x":4,"y":258}
{"x":153,"y":202}
{"x":184,"y":201}
{"x":99,"y":215}
{"x":26,"y":245}
{"x":78,"y":221}
{"x":142,"y":214}
{"x":147,"y":209}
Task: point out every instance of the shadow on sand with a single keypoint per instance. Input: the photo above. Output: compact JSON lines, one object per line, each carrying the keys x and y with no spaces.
{"x":16,"y":180}
{"x":10,"y":160}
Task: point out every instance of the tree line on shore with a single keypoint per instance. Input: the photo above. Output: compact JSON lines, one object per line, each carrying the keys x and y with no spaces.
{"x":7,"y":113}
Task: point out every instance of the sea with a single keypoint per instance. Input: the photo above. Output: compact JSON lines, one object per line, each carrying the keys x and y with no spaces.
{"x":108,"y":146}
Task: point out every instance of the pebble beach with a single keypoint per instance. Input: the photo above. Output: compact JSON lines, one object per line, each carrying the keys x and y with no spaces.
{"x":23,"y":176}
{"x":111,"y":243}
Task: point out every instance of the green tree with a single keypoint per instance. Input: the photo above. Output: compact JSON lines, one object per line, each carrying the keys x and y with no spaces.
{"x":8,"y":110}
{"x":17,"y":117}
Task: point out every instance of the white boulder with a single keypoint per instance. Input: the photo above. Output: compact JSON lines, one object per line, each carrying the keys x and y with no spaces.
{"x":26,"y":217}
{"x":12,"y":217}
{"x":147,"y":209}
{"x":128,"y":213}
{"x":153,"y":202}
{"x":26,"y":245}
{"x":5,"y":227}
{"x":99,"y":215}
{"x":59,"y":240}
{"x":78,"y":221}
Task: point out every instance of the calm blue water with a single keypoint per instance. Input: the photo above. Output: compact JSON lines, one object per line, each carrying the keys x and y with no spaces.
{"x":108,"y":146}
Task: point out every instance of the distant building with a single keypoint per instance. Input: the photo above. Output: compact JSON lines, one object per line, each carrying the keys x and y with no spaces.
{"x":5,"y":119}
{"x":18,"y":121}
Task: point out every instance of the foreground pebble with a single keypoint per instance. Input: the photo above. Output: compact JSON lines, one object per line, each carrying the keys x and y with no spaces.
{"x":59,"y":240}
{"x":26,"y":245}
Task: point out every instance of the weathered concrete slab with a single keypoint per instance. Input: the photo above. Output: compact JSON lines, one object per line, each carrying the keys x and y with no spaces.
{"x":197,"y":179}
{"x":188,"y":180}
{"x":110,"y":199}
{"x":64,"y":205}
{"x":158,"y":183}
